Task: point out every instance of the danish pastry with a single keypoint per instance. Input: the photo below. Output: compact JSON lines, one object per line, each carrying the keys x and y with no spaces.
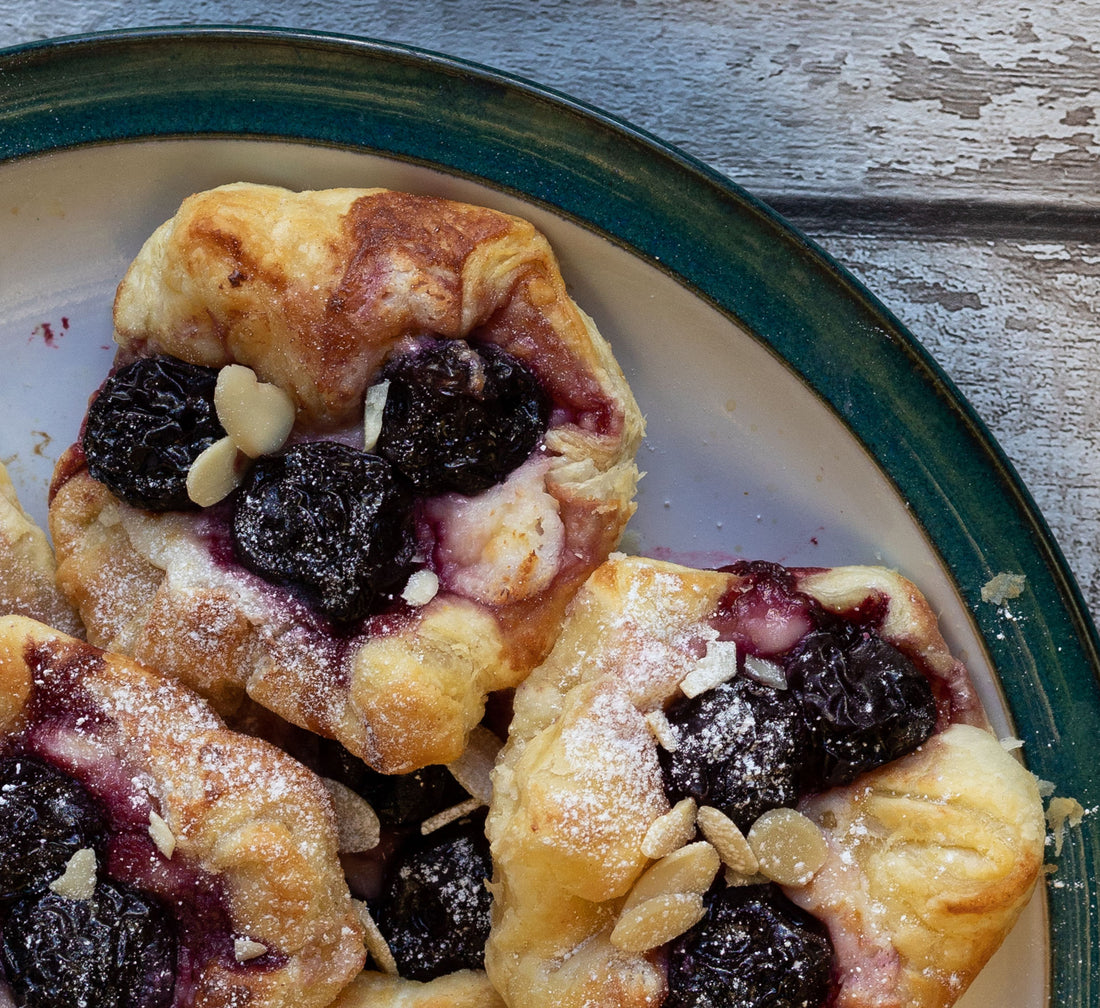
{"x":754,"y":785}
{"x":151,"y":856}
{"x":374,"y":597}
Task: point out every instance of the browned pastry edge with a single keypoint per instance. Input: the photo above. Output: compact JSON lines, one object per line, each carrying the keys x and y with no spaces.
{"x":312,"y":290}
{"x":578,"y":785}
{"x":237,"y":808}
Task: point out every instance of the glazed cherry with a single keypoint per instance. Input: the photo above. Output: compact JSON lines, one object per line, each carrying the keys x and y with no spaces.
{"x":115,"y":950}
{"x":863,"y":701}
{"x":145,"y":428}
{"x":459,"y":418}
{"x":330,"y":521}
{"x":434,"y":913}
{"x":740,"y":748}
{"x":45,"y":818}
{"x":753,"y":949}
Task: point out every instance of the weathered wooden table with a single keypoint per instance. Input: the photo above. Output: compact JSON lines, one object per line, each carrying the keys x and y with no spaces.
{"x":948,"y":154}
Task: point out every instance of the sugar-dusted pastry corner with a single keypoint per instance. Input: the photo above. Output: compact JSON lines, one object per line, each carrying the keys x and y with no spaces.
{"x":405,"y":448}
{"x":759,"y":779}
{"x":186,"y":864}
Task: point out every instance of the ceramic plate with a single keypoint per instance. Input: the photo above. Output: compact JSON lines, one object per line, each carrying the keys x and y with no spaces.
{"x":789,"y":416}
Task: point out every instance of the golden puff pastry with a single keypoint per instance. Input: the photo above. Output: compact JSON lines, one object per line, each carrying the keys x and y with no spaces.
{"x":234,"y":835}
{"x":28,"y":569}
{"x":312,"y":291}
{"x":464,"y":989}
{"x":592,"y":858}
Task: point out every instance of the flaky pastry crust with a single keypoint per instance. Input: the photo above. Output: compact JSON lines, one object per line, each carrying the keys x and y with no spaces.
{"x":463,"y":989}
{"x":579,"y":784}
{"x":255,"y":824}
{"x":28,"y":570}
{"x":312,"y":290}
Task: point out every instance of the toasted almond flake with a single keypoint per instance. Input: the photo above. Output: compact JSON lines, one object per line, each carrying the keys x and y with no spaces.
{"x":77,"y":881}
{"x":214,"y":474}
{"x":662,"y":730}
{"x":689,"y":869}
{"x":162,"y":834}
{"x":257,"y":416}
{"x":657,"y":921}
{"x":372,"y":938}
{"x":421,"y":588}
{"x":474,"y":768}
{"x":373,"y":405}
{"x":717,"y":666}
{"x":728,"y":840}
{"x":672,"y":830}
{"x":791,"y":849}
{"x":766,"y":672}
{"x":357,"y":823}
{"x":440,"y":819}
{"x":245,"y":949}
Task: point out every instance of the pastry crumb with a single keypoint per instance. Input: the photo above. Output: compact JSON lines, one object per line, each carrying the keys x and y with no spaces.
{"x":1062,"y":812}
{"x":1002,"y":587}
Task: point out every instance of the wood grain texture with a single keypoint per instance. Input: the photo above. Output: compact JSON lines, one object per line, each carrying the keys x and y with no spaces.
{"x":947,"y":153}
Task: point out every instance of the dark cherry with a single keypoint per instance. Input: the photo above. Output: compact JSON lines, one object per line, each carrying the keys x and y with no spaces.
{"x":398,"y":799}
{"x":740,"y":749}
{"x":753,"y":949}
{"x":434,"y":912}
{"x":116,"y":950}
{"x":458,"y":417}
{"x":45,"y":817}
{"x":148,"y":424}
{"x":330,"y":521}
{"x":863,"y":701}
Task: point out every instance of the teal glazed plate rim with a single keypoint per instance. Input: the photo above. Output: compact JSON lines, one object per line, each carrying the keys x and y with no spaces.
{"x":696,"y":227}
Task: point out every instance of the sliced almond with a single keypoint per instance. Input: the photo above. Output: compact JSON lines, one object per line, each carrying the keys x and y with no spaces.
{"x":662,"y":730}
{"x":690,"y":869}
{"x":357,"y":823}
{"x":791,"y":849}
{"x":449,"y":815}
{"x":162,"y":834}
{"x":374,"y":404}
{"x":717,"y":666}
{"x":768,"y":673}
{"x":78,"y":880}
{"x":215,"y":473}
{"x":245,"y":949}
{"x":474,"y":768}
{"x":257,"y":416}
{"x":672,"y":830}
{"x":736,"y":878}
{"x":728,"y":840}
{"x":372,"y":938}
{"x":657,"y":921}
{"x":421,"y":588}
